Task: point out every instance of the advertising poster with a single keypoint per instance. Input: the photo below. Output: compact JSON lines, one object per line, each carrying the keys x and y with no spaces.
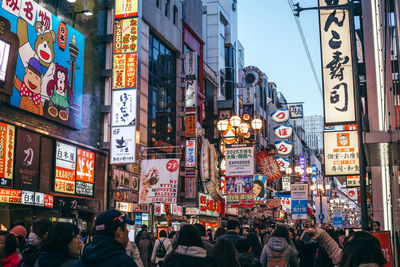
{"x":124,"y":107}
{"x":49,"y":74}
{"x":299,"y":201}
{"x":239,"y":188}
{"x":121,"y":185}
{"x":123,"y":144}
{"x":159,"y":181}
{"x":386,"y":246}
{"x":239,"y":160}
{"x":65,"y":168}
{"x":125,"y":71}
{"x":268,"y":166}
{"x":125,"y":36}
{"x":126,"y":8}
{"x":10,"y":196}
{"x":260,"y":189}
{"x":27,"y":160}
{"x":85,"y":172}
{"x":190,"y":153}
{"x":337,"y":217}
{"x":7,"y":139}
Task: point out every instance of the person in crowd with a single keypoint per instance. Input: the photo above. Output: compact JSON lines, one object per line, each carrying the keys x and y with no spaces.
{"x":109,"y":242}
{"x":145,"y":246}
{"x":262,"y":234}
{"x":171,"y":235}
{"x":233,"y":232}
{"x":189,"y":251}
{"x":376,"y":226}
{"x":19,"y":232}
{"x":161,"y":249}
{"x":255,"y":245}
{"x":245,"y":258}
{"x":8,"y":250}
{"x":246,"y":230}
{"x":323,"y":257}
{"x":294,"y":239}
{"x":206,"y":242}
{"x":38,"y":232}
{"x":209,"y":235}
{"x":219,"y":232}
{"x":133,"y":252}
{"x":225,"y":254}
{"x":278,"y":247}
{"x":137,"y":237}
{"x":341,"y":237}
{"x":61,"y":246}
{"x":307,"y":251}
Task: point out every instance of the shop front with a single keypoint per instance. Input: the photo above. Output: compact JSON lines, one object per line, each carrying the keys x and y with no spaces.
{"x":209,"y":211}
{"x":168,"y":223}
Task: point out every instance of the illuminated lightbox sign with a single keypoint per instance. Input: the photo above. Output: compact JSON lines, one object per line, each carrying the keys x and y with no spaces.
{"x":190,"y":153}
{"x":125,"y":39}
{"x":65,"y":168}
{"x":126,"y":8}
{"x":125,"y":71}
{"x":124,"y":107}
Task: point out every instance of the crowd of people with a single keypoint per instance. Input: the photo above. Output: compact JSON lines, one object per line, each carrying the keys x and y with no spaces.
{"x":62,"y":244}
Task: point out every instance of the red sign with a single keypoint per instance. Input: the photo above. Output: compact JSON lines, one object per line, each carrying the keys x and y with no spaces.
{"x":48,"y":201}
{"x":85,"y":166}
{"x":10,"y":196}
{"x":7,"y":134}
{"x":62,"y":36}
{"x":208,"y":206}
{"x":273,"y":203}
{"x":125,"y":71}
{"x":268,"y":166}
{"x":386,"y":246}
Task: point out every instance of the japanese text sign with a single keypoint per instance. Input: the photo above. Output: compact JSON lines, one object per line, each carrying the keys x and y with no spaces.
{"x":286,"y":183}
{"x":280,"y":115}
{"x":302,"y":161}
{"x":191,"y":65}
{"x":123,"y":143}
{"x":190,"y":184}
{"x":337,"y":68}
{"x":33,"y":198}
{"x":284,"y":147}
{"x":283,"y":131}
{"x":296,"y":111}
{"x":248,"y":96}
{"x":125,"y":71}
{"x":7,"y":138}
{"x":283,"y":163}
{"x":65,"y":168}
{"x":299,"y":196}
{"x":159,"y":181}
{"x":125,"y":36}
{"x":190,"y":126}
{"x":190,"y":153}
{"x":268,"y":166}
{"x":124,"y":107}
{"x":341,"y":152}
{"x":191,"y":94}
{"x":208,"y":206}
{"x":10,"y":196}
{"x":239,"y":160}
{"x":85,"y":172}
{"x":353,"y":181}
{"x":126,"y":8}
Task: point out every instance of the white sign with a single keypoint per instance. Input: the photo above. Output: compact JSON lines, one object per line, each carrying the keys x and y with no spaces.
{"x":283,"y":131}
{"x":286,"y":183}
{"x":341,"y":152}
{"x":123,"y":143}
{"x":124,"y":107}
{"x":191,"y":94}
{"x":32,"y":198}
{"x":159,"y":181}
{"x":124,"y":206}
{"x":65,"y":156}
{"x":239,"y":160}
{"x":299,"y":194}
{"x":280,"y":115}
{"x":324,"y":213}
{"x":191,"y":65}
{"x":208,"y":206}
{"x":283,"y":163}
{"x":337,"y":68}
{"x":192,"y":211}
{"x":352,"y":193}
{"x":284,"y":147}
{"x":353,"y":181}
{"x":190,"y":153}
{"x":248,"y":96}
{"x":286,"y":203}
{"x":296,"y":111}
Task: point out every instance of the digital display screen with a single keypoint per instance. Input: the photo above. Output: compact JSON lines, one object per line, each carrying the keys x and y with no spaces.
{"x":4,"y":54}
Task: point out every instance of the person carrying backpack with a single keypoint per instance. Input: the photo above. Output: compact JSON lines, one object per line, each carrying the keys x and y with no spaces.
{"x":161,"y":249}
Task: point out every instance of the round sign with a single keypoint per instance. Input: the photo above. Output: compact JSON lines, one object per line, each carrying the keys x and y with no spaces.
{"x":321,"y":216}
{"x":172,"y":165}
{"x":246,"y":117}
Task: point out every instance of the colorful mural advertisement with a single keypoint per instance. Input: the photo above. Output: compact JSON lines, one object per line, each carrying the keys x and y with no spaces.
{"x":260,"y":190}
{"x":49,"y":72}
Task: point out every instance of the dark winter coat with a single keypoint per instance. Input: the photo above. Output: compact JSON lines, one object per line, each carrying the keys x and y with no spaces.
{"x":246,"y":260}
{"x":104,"y":251}
{"x":51,"y":259}
{"x":184,"y":256}
{"x":30,"y":254}
{"x":231,"y":236}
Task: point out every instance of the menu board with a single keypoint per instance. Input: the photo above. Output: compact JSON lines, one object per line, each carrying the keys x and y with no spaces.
{"x":65,"y":168}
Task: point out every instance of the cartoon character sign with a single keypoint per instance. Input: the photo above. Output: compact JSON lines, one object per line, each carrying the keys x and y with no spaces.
{"x":49,"y":73}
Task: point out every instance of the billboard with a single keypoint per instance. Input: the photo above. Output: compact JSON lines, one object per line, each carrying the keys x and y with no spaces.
{"x":49,"y":73}
{"x":259,"y":190}
{"x":239,"y":160}
{"x":239,"y":188}
{"x":159,"y":181}
{"x":64,"y":181}
{"x":85,"y":172}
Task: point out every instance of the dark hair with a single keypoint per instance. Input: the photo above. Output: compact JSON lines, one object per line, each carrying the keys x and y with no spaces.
{"x":41,"y":227}
{"x":189,"y":236}
{"x":361,"y":250}
{"x":171,"y":234}
{"x":243,"y":245}
{"x":378,"y":223}
{"x":144,"y":227}
{"x":11,"y":244}
{"x":232,"y":224}
{"x":60,"y":235}
{"x":254,"y":243}
{"x":21,"y":242}
{"x":224,"y":253}
{"x":281,"y":231}
{"x":333,"y":234}
{"x":219,"y":232}
{"x":163,"y":233}
{"x":260,"y":183}
{"x":262,"y":227}
{"x":356,"y":235}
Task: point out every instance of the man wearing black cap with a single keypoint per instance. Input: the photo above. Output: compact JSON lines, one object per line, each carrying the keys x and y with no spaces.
{"x":109,"y":242}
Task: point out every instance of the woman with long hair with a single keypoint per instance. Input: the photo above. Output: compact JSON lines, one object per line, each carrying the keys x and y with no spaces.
{"x":225,"y":254}
{"x":255,"y":244}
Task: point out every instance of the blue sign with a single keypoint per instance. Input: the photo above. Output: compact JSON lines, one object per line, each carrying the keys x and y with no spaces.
{"x":299,"y":208}
{"x":191,"y":153}
{"x":338,"y":221}
{"x":314,"y":171}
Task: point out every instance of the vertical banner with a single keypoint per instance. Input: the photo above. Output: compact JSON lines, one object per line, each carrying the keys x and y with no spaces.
{"x":321,"y":214}
{"x":27,"y":160}
{"x":299,"y":201}
{"x":64,"y":181}
{"x":190,"y":184}
{"x":85,"y":172}
{"x":286,"y":183}
{"x":260,"y":190}
{"x":337,"y":63}
{"x":7,"y":139}
{"x":190,"y":152}
{"x":303,"y":168}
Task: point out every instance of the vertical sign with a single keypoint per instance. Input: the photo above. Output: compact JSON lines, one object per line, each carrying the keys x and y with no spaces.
{"x":191,"y":153}
{"x":65,"y":168}
{"x":286,"y":183}
{"x":302,"y":166}
{"x":85,"y":172}
{"x":125,"y":81}
{"x":337,"y":63}
{"x":337,"y":217}
{"x":7,"y":138}
{"x":299,"y":201}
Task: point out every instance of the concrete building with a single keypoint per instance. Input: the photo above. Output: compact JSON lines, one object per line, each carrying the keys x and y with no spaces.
{"x":313,"y":129}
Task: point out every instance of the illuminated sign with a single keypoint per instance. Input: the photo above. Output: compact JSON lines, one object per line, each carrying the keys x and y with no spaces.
{"x":208,"y":206}
{"x":85,"y":172}
{"x":65,"y":168}
{"x":124,"y":103}
{"x":190,"y":153}
{"x":125,"y":71}
{"x":284,"y":147}
{"x":125,"y":37}
{"x":7,"y":137}
{"x":10,"y":196}
{"x":126,"y":8}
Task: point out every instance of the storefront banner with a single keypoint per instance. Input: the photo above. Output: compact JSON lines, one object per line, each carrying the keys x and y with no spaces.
{"x":191,"y":65}
{"x":27,"y":160}
{"x":192,"y":211}
{"x":239,"y":160}
{"x":124,"y":107}
{"x":125,"y":36}
{"x":7,"y":139}
{"x":125,"y":71}
{"x":286,"y":204}
{"x":273,"y":203}
{"x":177,"y":210}
{"x":283,"y":131}
{"x":123,"y":144}
{"x":337,"y":63}
{"x":386,"y":246}
{"x":283,"y":163}
{"x":280,"y":115}
{"x":159,"y":181}
{"x":65,"y":168}
{"x":190,"y":126}
{"x":341,"y":153}
{"x":54,"y":51}
{"x":239,"y":188}
{"x":353,"y":181}
{"x":126,"y":8}
{"x":124,"y":206}
{"x":10,"y":196}
{"x":284,"y":147}
{"x":260,"y":190}
{"x":190,"y":153}
{"x":268,"y":166}
{"x":296,"y":111}
{"x":48,"y":201}
{"x":299,"y":201}
{"x":208,"y":206}
{"x":32,"y":198}
{"x":286,"y":183}
{"x":140,"y":208}
{"x":72,"y":204}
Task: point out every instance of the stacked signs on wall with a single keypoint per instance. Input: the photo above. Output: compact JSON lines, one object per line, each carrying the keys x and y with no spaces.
{"x":283,"y":131}
{"x":125,"y":81}
{"x":7,"y":140}
{"x":54,"y":54}
{"x":299,"y":201}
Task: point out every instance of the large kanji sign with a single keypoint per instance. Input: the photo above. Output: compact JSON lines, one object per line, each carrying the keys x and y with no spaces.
{"x":280,"y":115}
{"x":268,"y":166}
{"x":85,"y":172}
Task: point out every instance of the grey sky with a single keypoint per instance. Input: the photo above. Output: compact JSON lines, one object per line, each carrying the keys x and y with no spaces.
{"x":268,"y":32}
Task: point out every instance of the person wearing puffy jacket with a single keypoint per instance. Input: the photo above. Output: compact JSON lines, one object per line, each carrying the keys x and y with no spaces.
{"x":8,"y":250}
{"x":167,"y":246}
{"x":244,"y":256}
{"x":278,"y":245}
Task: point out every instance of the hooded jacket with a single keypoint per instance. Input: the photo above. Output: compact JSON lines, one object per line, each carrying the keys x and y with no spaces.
{"x":105,"y":251}
{"x":231,"y":236}
{"x":246,"y":260}
{"x":185,"y":256}
{"x":278,"y":246}
{"x":51,"y":259}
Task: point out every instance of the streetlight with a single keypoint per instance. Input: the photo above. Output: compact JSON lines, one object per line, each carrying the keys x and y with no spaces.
{"x":309,"y":170}
{"x":289,"y":171}
{"x":320,"y":191}
{"x":256,"y":124}
{"x":235,"y":121}
{"x":222,"y":125}
{"x":241,"y":128}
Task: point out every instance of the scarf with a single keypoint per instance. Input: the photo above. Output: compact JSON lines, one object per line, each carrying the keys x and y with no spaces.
{"x":26,"y":92}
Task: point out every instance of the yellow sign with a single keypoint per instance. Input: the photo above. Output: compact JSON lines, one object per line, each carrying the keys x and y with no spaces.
{"x":124,"y":71}
{"x":7,"y":136}
{"x":126,"y":8}
{"x":125,"y":36}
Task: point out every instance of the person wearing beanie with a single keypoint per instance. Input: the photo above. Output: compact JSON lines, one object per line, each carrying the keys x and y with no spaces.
{"x":20,"y":234}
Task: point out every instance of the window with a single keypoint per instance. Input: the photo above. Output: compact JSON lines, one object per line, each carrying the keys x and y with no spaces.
{"x":158,"y":3}
{"x":175,"y":18}
{"x":167,"y":8}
